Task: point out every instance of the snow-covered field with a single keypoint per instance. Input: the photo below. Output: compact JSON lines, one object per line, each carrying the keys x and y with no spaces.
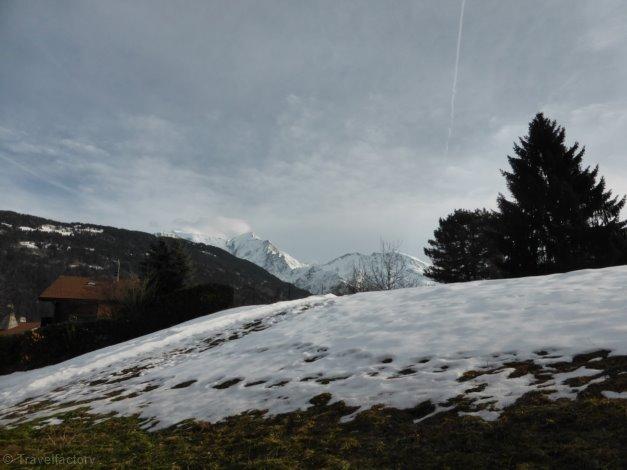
{"x":397,"y":348}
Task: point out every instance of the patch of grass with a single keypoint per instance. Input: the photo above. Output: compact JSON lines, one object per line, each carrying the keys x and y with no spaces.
{"x":610,"y":366}
{"x":227,"y":383}
{"x":590,"y":432}
{"x":256,"y":382}
{"x":185,"y":384}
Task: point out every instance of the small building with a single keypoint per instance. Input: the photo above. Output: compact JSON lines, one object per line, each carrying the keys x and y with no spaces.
{"x":10,"y":325}
{"x":84,"y":299}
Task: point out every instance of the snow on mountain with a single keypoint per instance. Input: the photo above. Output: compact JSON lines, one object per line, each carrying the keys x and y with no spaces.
{"x":396,"y":348}
{"x":66,"y":231}
{"x":263,"y":253}
{"x":316,"y":278}
{"x":343,"y":266}
{"x":196,"y":237}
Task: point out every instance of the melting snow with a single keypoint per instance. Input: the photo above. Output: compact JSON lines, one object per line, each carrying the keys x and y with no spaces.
{"x":84,"y":229}
{"x":66,"y":232}
{"x":397,"y":348}
{"x":30,"y":245}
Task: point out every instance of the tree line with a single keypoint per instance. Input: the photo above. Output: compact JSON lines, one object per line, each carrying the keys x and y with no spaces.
{"x":559,"y":217}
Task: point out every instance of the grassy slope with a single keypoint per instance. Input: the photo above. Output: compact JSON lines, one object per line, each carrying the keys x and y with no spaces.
{"x":590,"y":432}
{"x":587,"y":433}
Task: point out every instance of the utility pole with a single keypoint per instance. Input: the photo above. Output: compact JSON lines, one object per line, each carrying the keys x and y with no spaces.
{"x":117,"y":277}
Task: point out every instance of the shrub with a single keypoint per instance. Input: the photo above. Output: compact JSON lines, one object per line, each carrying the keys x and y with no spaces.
{"x":58,"y":342}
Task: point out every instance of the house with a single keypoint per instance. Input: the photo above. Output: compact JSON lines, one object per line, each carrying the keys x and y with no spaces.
{"x":83,"y":298}
{"x":9,"y":325}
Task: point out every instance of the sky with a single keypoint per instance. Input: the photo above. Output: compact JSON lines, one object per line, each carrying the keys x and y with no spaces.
{"x":320,"y":125}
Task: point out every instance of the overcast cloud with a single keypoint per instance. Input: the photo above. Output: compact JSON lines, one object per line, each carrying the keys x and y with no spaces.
{"x":318,"y":124}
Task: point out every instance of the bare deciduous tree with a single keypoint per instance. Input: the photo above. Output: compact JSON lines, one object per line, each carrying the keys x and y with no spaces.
{"x":385,"y":270}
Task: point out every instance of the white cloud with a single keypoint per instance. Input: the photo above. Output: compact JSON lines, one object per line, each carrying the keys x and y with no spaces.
{"x":82,"y":148}
{"x":216,"y":226}
{"x":151,"y":135}
{"x":319,"y":124}
{"x":611,"y":33}
{"x":8,"y":134}
{"x":27,"y":148}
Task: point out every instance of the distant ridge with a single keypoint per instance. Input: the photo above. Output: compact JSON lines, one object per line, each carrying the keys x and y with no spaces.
{"x":323,"y":278}
{"x":34,"y":251}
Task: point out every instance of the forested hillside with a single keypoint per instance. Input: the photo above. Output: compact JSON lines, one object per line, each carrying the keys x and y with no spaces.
{"x":34,"y":251}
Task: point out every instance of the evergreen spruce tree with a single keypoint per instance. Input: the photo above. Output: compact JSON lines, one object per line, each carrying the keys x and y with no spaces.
{"x":560,"y":217}
{"x":463,"y":247}
{"x":166,"y":267}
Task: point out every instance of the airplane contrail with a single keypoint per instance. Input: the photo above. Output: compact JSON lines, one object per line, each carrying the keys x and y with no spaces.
{"x":34,"y":174}
{"x":454,"y":89}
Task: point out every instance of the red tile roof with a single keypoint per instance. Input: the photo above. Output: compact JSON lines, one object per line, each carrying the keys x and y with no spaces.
{"x":86,"y":288}
{"x":20,"y":328}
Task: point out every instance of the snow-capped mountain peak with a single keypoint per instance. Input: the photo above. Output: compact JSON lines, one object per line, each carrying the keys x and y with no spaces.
{"x":246,"y":236}
{"x":196,"y":237}
{"x":263,"y":253}
{"x":316,"y":278}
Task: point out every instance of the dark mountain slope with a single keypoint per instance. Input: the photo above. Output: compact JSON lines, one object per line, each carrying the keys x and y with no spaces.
{"x":34,"y":251}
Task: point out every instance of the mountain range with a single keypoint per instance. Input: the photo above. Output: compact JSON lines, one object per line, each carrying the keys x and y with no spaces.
{"x":322,"y":278}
